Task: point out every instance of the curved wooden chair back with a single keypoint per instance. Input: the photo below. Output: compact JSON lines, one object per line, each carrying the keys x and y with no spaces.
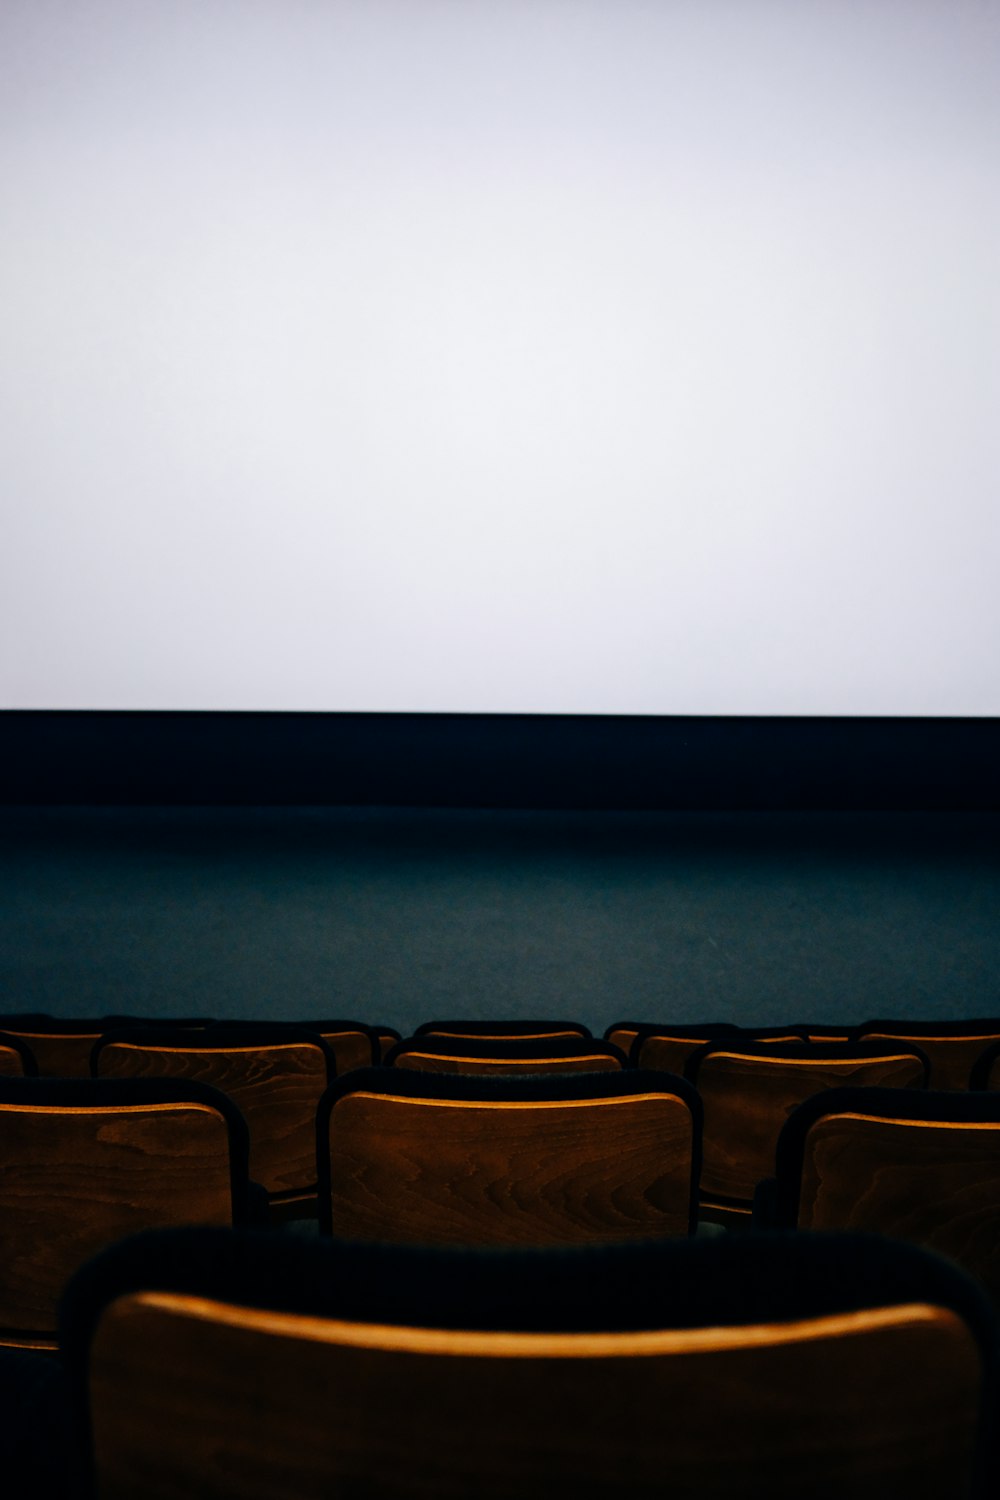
{"x":919,"y":1166}
{"x":812,"y":1368}
{"x":626,"y":1034}
{"x":503,"y":1031}
{"x":669,"y":1047}
{"x":951,"y":1047}
{"x":62,"y":1048}
{"x":354,"y":1044}
{"x":622,"y":1034}
{"x":749,"y":1089}
{"x":87,"y":1161}
{"x":446,"y":1054}
{"x":432,"y":1159}
{"x":16,"y":1058}
{"x":275,"y":1075}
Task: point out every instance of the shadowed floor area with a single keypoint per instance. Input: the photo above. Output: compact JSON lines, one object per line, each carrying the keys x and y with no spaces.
{"x":397,"y":916}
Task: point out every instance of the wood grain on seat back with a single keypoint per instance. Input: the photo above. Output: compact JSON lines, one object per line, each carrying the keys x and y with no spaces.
{"x":427,"y":1059}
{"x":61,"y":1054}
{"x":668,"y":1052}
{"x":62,"y":1048}
{"x":747,"y":1099}
{"x":935,"y":1183}
{"x":951,"y":1056}
{"x":276,"y":1086}
{"x":351,"y":1049}
{"x":871,"y":1404}
{"x":75,"y":1179}
{"x":438,"y":1171}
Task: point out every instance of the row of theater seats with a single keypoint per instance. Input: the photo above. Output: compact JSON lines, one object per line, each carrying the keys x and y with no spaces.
{"x":504,"y":1139}
{"x":62,"y":1048}
{"x":512,"y":1137}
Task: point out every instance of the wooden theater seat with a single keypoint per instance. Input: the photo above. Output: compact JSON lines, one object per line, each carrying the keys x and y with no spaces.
{"x":657,"y":1045}
{"x":242,"y":1367}
{"x":951,"y":1047}
{"x":497,"y":1031}
{"x":61,"y":1048}
{"x":354,"y":1044}
{"x":87,"y":1161}
{"x":275,"y":1075}
{"x":16,"y":1058}
{"x":749,"y":1089}
{"x":446,"y":1054}
{"x":919,"y":1166}
{"x":450,"y":1159}
{"x":624,"y":1035}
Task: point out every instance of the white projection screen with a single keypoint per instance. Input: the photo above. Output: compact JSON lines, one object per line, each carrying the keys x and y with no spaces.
{"x":501,"y":356}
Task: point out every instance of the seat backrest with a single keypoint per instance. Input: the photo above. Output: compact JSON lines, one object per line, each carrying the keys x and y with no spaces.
{"x":61,"y":1048}
{"x":449,"y":1159}
{"x":951,"y":1047}
{"x":669,"y":1047}
{"x":354,"y":1044}
{"x":920,"y":1166}
{"x":446,"y":1054}
{"x":749,"y":1089}
{"x":815,"y":1365}
{"x":498,"y":1031}
{"x":16,"y":1058}
{"x":275,"y":1075}
{"x":86,"y":1161}
{"x":819,"y":1031}
{"x":674,"y":1043}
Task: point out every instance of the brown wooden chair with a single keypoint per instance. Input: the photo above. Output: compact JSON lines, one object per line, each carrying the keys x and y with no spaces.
{"x":353,"y":1043}
{"x":951,"y":1047}
{"x":749,"y":1089}
{"x":87,"y":1161}
{"x":445,"y":1054}
{"x":275,"y":1075}
{"x":61,"y":1048}
{"x":919,"y":1166}
{"x":450,"y":1159}
{"x":656,"y":1045}
{"x":623,"y":1034}
{"x":503,"y":1031}
{"x":16,"y":1058}
{"x":229,"y":1366}
{"x":819,"y":1031}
